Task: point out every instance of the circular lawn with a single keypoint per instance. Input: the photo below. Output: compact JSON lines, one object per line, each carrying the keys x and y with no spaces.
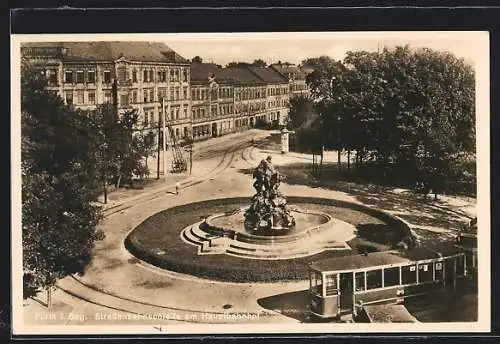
{"x":157,"y":240}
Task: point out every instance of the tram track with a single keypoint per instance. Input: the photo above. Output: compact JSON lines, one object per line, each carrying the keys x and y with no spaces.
{"x":227,"y":159}
{"x":79,"y":291}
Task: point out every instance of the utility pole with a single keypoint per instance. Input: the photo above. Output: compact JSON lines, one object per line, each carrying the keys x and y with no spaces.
{"x":164,"y":137}
{"x":159,"y":147}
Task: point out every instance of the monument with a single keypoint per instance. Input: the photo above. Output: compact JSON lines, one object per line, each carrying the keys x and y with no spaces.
{"x":268,"y":213}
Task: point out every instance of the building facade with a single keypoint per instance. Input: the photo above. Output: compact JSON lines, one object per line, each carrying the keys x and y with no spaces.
{"x":296,"y":78}
{"x":277,"y":94}
{"x":212,"y":99}
{"x":201,"y":100}
{"x":82,"y":74}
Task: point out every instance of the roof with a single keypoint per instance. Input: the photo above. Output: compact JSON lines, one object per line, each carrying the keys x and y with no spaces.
{"x":241,"y":76}
{"x":269,"y":75}
{"x":359,"y":261}
{"x":287,"y":70}
{"x":389,"y":314}
{"x":374,"y":259}
{"x":111,"y":51}
{"x":201,"y":71}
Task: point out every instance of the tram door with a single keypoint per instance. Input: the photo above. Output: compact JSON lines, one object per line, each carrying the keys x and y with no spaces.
{"x":346,"y":291}
{"x":449,"y":272}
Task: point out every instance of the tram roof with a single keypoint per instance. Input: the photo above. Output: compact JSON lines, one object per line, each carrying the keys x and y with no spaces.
{"x":374,"y":259}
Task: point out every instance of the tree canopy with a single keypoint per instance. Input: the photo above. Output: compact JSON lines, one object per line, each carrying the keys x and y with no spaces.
{"x":414,"y":107}
{"x":59,"y":219}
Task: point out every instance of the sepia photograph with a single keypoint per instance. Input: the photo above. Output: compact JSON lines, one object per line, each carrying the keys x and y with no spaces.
{"x":192,"y":183}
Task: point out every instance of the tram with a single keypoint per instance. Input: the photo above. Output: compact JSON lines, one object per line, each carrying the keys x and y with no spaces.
{"x":344,"y":285}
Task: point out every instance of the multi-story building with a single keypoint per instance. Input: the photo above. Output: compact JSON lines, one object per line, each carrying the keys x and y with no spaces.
{"x":201,"y":99}
{"x":82,"y":73}
{"x":277,"y":93}
{"x":249,"y":97}
{"x":212,"y":101}
{"x":296,"y":78}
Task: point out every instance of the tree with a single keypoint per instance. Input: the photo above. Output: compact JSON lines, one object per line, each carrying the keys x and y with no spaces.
{"x":197,"y":59}
{"x":59,"y":219}
{"x":238,"y":64}
{"x":259,"y":63}
{"x":301,"y":111}
{"x":409,"y":109}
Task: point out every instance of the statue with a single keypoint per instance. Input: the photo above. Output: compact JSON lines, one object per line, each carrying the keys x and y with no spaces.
{"x":268,"y":213}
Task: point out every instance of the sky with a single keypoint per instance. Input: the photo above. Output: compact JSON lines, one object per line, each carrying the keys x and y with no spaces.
{"x":222,"y":48}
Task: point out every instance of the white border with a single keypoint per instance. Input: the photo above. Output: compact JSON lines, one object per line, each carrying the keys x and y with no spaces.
{"x":480,"y":43}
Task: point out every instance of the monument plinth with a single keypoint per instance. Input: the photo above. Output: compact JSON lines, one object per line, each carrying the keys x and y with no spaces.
{"x":268,"y":213}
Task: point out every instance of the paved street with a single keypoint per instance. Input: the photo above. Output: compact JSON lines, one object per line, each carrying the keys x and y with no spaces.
{"x":116,"y":284}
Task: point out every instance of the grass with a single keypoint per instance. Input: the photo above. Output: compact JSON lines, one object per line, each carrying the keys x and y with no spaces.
{"x":161,"y":232}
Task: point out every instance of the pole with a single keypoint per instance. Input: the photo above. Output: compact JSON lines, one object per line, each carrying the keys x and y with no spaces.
{"x":191,"y":159}
{"x":159,"y":147}
{"x":164,"y":138}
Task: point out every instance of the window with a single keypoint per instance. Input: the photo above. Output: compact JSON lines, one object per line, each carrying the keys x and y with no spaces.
{"x":185,"y":131}
{"x":360,"y":281}
{"x":151,"y":94}
{"x":91,"y":77}
{"x":316,"y":283}
{"x":123,"y":99}
{"x":80,"y":97}
{"x":79,"y":77}
{"x":438,"y":271}
{"x":185,"y":93}
{"x":52,"y":77}
{"x":68,"y":77}
{"x":172,"y":75}
{"x":69,"y":97}
{"x":176,"y":113}
{"x":91,"y":97}
{"x":460,"y":265}
{"x":152,"y":117}
{"x":146,"y":118}
{"x":171,"y":94}
{"x":177,"y":132}
{"x":185,"y":112}
{"x":134,"y":75}
{"x":151,"y":75}
{"x":107,"y":76}
{"x":373,"y":279}
{"x":331,"y":285}
{"x":134,"y":96}
{"x":193,"y":94}
{"x":162,"y":93}
{"x":145,"y":94}
{"x":176,"y":94}
{"x":184,"y":75}
{"x":122,"y":74}
{"x":409,"y":274}
{"x":145,"y":76}
{"x":107,"y":97}
{"x":391,"y":277}
{"x":425,"y":273}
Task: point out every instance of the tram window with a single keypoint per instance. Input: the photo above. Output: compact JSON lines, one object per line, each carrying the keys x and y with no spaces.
{"x":425,"y":272}
{"x":409,"y":274}
{"x":317,"y":283}
{"x":373,"y":279}
{"x":331,"y":285}
{"x":391,"y":277}
{"x":360,"y":281}
{"x":438,"y":271}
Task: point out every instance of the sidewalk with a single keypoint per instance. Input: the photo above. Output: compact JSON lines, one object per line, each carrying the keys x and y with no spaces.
{"x":201,"y":166}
